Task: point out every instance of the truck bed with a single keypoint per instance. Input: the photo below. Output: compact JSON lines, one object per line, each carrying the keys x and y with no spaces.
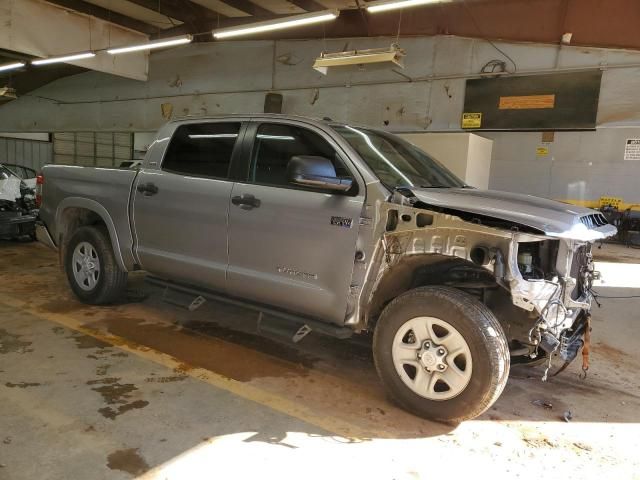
{"x":107,"y":190}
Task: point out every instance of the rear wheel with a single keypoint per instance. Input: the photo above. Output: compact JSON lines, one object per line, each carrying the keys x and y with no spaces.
{"x":441,"y":354}
{"x":91,"y":267}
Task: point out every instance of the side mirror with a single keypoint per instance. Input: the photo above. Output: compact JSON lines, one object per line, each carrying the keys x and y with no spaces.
{"x":317,"y":172}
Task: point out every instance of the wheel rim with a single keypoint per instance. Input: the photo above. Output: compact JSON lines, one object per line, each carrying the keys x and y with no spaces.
{"x":432,"y":358}
{"x":86,"y":266}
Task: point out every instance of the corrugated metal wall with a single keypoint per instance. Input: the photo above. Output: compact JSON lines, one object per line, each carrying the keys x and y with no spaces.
{"x":92,"y":149}
{"x":30,"y":153}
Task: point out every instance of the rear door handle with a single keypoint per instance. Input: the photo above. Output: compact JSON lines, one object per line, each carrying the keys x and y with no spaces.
{"x":147,"y":189}
{"x":246,"y":201}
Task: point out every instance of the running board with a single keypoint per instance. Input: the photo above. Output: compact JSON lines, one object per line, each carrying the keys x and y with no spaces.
{"x":271,"y":321}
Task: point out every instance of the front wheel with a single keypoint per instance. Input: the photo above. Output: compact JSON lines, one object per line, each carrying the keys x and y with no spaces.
{"x":441,"y":354}
{"x":91,"y":267}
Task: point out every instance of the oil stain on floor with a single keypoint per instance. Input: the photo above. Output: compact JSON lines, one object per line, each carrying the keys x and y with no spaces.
{"x":10,"y":343}
{"x":117,"y":396}
{"x":21,"y":385}
{"x":128,"y":460}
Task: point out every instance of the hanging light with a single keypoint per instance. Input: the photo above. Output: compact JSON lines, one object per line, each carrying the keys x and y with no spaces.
{"x":271,"y":25}
{"x":386,"y":5}
{"x":392,"y":56}
{"x":11,"y":66}
{"x":63,"y":59}
{"x":171,"y":42}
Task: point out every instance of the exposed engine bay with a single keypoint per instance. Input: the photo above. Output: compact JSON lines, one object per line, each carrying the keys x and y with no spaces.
{"x":536,"y":282}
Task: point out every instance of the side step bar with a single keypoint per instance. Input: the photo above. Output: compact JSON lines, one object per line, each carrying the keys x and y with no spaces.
{"x":270,"y":321}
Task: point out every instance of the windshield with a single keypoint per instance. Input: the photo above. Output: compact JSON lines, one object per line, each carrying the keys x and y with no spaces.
{"x":396,"y":162}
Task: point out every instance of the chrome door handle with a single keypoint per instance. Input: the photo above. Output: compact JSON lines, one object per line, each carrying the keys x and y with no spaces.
{"x":147,"y":189}
{"x":245,"y":201}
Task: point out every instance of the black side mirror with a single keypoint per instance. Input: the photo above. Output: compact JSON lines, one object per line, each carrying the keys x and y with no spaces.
{"x":317,"y":172}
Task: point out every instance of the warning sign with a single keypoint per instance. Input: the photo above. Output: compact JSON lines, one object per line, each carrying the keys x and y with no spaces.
{"x":542,"y":151}
{"x":632,"y":149}
{"x":471,"y":120}
{"x":527,"y":102}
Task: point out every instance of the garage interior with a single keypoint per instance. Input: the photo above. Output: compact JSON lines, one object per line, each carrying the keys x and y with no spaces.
{"x":147,"y":388}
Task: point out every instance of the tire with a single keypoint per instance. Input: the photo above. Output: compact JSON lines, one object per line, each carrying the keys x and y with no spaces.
{"x":471,"y":381}
{"x":106,"y":282}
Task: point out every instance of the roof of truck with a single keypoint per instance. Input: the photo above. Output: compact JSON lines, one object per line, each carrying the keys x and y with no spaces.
{"x":281,"y":116}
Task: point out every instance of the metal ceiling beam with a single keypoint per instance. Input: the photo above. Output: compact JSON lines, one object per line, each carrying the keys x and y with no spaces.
{"x":205,"y":27}
{"x":248,"y":7}
{"x":308,"y":5}
{"x":107,"y":15}
{"x":183,"y":10}
{"x":42,"y":29}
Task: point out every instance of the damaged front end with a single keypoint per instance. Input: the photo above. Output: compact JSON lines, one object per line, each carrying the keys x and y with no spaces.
{"x":552,"y":280}
{"x":535,"y":280}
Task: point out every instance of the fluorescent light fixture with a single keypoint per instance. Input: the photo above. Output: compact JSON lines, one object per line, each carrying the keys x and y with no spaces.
{"x":7,"y":94}
{"x":392,"y":55}
{"x":11,"y":66}
{"x":270,"y":25}
{"x":386,"y":5}
{"x":171,"y":42}
{"x":64,"y":59}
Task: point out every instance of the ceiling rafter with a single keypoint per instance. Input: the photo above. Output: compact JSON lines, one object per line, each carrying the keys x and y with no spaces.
{"x":184,"y":10}
{"x":211,"y":25}
{"x":308,"y":5}
{"x":107,"y":15}
{"x":249,"y":7}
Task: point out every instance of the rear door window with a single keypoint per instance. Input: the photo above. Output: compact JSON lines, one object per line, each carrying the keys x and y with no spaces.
{"x":202,"y":149}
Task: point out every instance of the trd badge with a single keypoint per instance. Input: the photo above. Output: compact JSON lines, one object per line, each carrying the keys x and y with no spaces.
{"x":342,"y":222}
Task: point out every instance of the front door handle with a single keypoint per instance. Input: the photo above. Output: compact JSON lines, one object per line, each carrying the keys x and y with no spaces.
{"x":246,"y":201}
{"x":147,"y":189}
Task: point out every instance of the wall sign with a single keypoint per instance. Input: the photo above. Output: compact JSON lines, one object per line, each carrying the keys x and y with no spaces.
{"x":632,"y":149}
{"x":527,"y":102}
{"x":559,"y":101}
{"x":471,"y":120}
{"x":542,"y":151}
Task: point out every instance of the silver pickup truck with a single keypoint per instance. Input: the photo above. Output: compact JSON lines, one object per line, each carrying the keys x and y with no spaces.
{"x":339,"y":229}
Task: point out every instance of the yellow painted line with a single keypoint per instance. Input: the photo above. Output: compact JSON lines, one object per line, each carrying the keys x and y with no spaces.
{"x":243,"y":390}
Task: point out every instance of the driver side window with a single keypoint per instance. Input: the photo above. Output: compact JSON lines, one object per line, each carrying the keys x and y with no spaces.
{"x":276,"y":144}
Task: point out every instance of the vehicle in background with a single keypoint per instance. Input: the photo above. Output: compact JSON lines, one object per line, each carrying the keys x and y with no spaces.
{"x":28,"y":175}
{"x":134,"y":164}
{"x":18,"y":211}
{"x":339,"y":229}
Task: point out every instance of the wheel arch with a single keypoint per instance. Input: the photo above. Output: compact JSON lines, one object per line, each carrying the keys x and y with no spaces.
{"x":425,"y":270}
{"x":74,"y":212}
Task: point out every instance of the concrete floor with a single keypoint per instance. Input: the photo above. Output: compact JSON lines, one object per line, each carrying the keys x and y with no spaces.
{"x":150,"y":390}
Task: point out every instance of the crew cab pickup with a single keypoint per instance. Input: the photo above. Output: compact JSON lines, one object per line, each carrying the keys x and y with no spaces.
{"x":339,"y":229}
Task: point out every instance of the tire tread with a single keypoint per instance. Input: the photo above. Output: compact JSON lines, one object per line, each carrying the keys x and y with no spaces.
{"x":498,"y":347}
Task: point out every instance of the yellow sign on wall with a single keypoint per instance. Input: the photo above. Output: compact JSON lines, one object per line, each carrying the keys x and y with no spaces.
{"x":471,"y":120}
{"x":542,"y":151}
{"x":527,"y":102}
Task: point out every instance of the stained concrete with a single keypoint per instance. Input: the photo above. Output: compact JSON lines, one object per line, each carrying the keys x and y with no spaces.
{"x":148,"y":389}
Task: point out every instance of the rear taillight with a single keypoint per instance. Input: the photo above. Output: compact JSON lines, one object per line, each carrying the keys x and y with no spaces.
{"x":39,"y":183}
